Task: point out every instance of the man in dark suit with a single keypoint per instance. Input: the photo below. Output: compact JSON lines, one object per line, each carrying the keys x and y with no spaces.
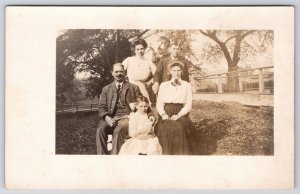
{"x":163,"y":70}
{"x":116,"y":101}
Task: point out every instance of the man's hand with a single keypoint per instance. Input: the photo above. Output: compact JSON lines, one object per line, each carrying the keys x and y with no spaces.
{"x":155,"y":87}
{"x":152,"y":120}
{"x":165,"y":116}
{"x":175,"y":117}
{"x":110,"y":121}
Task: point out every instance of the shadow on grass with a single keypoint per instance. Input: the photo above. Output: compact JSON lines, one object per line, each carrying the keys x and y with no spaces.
{"x":207,"y":135}
{"x":76,"y":133}
{"x":220,"y":129}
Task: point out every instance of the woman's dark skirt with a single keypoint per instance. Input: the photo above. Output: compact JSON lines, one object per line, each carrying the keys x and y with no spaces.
{"x":173,"y":135}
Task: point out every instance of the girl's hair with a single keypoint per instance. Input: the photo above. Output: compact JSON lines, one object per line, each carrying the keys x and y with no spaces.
{"x":140,"y":42}
{"x":142,"y":99}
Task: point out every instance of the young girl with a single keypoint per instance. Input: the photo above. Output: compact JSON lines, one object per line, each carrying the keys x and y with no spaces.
{"x":143,"y":140}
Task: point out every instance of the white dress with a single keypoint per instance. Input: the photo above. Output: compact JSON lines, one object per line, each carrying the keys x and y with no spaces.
{"x":138,"y":71}
{"x":141,"y":142}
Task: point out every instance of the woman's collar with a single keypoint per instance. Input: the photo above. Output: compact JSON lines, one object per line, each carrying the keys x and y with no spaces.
{"x":172,"y":80}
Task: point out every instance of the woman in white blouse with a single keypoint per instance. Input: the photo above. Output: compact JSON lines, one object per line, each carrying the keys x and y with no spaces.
{"x":139,"y":69}
{"x":174,"y":102}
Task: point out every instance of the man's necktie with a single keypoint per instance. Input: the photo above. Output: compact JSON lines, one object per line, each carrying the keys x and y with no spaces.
{"x":117,"y":99}
{"x":118,"y":88}
{"x":118,"y":94}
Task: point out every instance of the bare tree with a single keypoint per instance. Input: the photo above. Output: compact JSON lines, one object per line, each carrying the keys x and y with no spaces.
{"x":233,"y":46}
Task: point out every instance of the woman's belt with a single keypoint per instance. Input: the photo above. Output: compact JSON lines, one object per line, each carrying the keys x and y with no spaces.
{"x":174,"y":104}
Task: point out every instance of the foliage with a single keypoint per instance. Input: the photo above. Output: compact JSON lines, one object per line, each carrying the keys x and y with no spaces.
{"x":182,"y":37}
{"x":236,"y":46}
{"x":93,"y":51}
{"x":64,"y":74}
{"x":184,"y":40}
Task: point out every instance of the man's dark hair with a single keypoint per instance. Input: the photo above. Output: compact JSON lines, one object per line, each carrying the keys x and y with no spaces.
{"x":117,"y":64}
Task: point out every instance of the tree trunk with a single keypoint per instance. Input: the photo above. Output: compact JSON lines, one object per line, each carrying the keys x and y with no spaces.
{"x":233,"y":80}
{"x":117,"y":48}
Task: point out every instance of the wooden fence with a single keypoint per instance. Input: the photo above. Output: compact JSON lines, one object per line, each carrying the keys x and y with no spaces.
{"x":256,"y":80}
{"x":75,"y":107}
{"x":259,"y":80}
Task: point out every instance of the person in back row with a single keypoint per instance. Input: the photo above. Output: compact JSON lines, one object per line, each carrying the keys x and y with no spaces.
{"x":162,"y":72}
{"x":140,"y":70}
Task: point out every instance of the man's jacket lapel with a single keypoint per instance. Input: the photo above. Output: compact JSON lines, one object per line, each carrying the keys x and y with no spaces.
{"x":114,"y":96}
{"x":125,"y":90}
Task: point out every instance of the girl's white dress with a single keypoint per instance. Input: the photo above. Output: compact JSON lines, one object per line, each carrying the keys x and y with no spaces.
{"x":141,"y":141}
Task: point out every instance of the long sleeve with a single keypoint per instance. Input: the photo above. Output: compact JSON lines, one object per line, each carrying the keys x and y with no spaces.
{"x":152,"y":68}
{"x":185,"y":73}
{"x":158,"y":73}
{"x":189,"y":101}
{"x":103,"y":108}
{"x":180,"y":94}
{"x":159,"y":102}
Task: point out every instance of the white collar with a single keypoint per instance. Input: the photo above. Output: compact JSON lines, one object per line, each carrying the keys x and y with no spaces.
{"x":172,"y":80}
{"x":119,"y":84}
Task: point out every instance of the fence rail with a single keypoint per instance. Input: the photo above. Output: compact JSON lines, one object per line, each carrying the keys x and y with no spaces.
{"x":259,"y":80}
{"x":75,"y":107}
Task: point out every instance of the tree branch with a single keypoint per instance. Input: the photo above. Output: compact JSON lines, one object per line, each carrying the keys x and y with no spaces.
{"x":213,"y":35}
{"x":247,"y":33}
{"x":245,"y":42}
{"x":157,"y":32}
{"x":229,"y":39}
{"x":265,"y":38}
{"x":144,"y":32}
{"x":138,"y":36}
{"x":204,"y":33}
{"x":105,"y":50}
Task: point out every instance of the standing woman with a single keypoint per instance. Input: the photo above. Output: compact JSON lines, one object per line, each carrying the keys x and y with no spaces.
{"x":174,"y":102}
{"x":139,"y":69}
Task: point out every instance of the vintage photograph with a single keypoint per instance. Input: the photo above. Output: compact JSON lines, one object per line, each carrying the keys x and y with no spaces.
{"x":149,"y":98}
{"x":165,"y":92}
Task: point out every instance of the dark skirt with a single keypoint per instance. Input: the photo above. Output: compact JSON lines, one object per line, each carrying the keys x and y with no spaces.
{"x":173,"y":135}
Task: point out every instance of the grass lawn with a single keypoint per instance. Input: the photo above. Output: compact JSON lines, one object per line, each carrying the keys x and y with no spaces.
{"x":221,"y":129}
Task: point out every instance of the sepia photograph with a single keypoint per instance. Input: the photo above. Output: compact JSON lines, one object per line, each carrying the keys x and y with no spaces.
{"x":180,"y":98}
{"x":184,"y":92}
